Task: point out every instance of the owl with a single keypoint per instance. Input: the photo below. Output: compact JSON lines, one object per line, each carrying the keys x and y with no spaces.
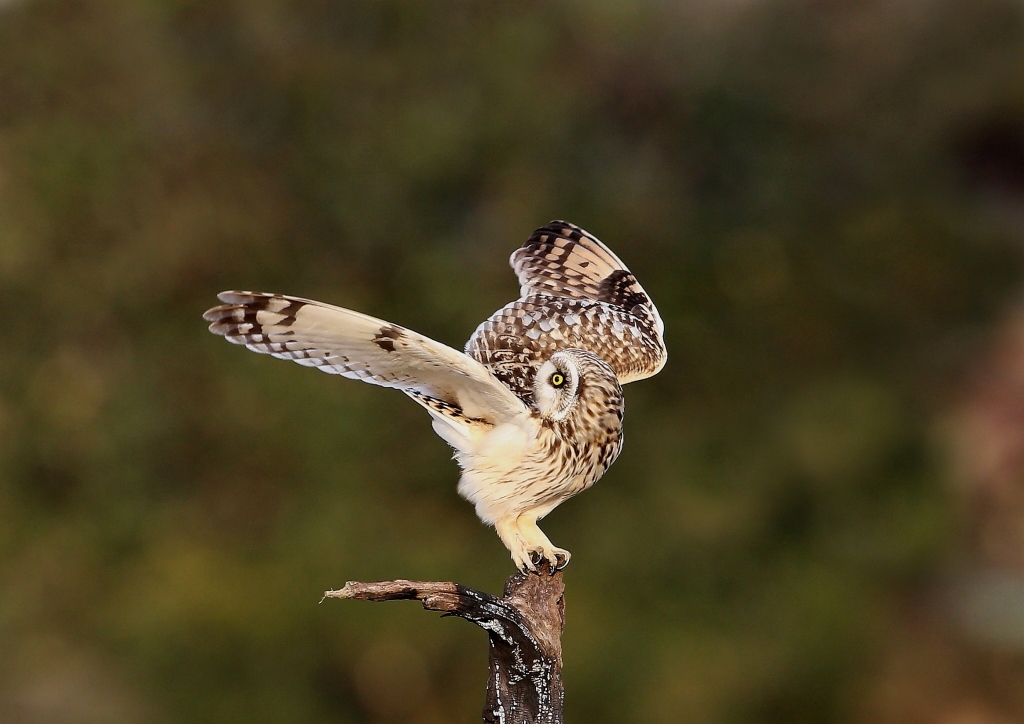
{"x":533,"y":407}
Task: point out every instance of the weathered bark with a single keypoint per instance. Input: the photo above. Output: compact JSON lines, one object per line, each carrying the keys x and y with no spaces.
{"x":524,"y":626}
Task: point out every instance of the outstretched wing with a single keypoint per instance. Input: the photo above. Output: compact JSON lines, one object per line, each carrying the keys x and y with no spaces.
{"x":575,"y":293}
{"x":342,"y":342}
{"x":563,"y":260}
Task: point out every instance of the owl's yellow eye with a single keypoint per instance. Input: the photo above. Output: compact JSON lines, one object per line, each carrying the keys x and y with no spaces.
{"x":557,"y":380}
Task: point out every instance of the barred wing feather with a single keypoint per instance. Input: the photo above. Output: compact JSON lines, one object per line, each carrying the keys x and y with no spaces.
{"x":563,"y":260}
{"x":574,"y":293}
{"x":342,"y":342}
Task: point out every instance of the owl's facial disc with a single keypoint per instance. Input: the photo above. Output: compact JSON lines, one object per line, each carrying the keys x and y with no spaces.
{"x":554,"y":388}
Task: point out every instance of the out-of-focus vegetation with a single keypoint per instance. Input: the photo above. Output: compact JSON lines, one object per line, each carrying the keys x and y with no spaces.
{"x":796,"y":183}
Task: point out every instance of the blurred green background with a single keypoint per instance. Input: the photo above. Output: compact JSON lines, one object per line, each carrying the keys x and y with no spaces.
{"x":825,"y":200}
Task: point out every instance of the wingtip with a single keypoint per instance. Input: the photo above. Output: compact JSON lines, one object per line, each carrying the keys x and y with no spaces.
{"x":218,"y":313}
{"x":233,"y":296}
{"x":218,"y":319}
{"x":220,"y":316}
{"x":232,"y":299}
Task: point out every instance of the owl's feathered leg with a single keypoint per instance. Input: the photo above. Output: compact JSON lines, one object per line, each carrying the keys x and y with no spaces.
{"x":528,"y":544}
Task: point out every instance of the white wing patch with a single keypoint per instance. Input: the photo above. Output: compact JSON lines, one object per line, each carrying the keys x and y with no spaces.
{"x":457,"y":390}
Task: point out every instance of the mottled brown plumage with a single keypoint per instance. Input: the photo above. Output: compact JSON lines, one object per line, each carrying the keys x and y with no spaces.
{"x":574,"y":293}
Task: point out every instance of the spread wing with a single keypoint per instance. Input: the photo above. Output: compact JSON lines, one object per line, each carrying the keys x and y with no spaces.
{"x":575,"y":293}
{"x":453,"y":387}
{"x":563,"y":260}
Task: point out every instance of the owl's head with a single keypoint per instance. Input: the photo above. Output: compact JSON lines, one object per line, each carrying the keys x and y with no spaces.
{"x":572,"y":375}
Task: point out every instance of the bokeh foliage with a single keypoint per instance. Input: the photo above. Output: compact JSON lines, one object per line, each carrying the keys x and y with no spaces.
{"x":781,"y":175}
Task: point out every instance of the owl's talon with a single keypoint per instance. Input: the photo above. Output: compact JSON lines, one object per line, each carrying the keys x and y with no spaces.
{"x":562,"y":557}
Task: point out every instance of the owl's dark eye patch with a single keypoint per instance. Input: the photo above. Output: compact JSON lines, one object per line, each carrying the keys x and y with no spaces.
{"x":557,"y":379}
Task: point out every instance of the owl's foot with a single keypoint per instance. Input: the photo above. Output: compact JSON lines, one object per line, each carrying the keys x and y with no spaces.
{"x":530,"y":559}
{"x":528,"y":545}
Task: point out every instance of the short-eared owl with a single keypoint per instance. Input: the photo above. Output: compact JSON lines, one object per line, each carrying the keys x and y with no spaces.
{"x":533,"y":408}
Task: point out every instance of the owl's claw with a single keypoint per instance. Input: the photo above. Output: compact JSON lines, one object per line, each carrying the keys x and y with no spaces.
{"x":562,"y":557}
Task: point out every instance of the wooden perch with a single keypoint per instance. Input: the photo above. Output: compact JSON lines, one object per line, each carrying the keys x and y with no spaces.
{"x":524,"y":685}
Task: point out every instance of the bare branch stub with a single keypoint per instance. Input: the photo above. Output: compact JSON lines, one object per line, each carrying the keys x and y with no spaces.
{"x":524,"y":627}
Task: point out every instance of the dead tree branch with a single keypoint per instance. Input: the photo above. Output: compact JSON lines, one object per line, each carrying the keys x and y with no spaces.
{"x":524,"y":626}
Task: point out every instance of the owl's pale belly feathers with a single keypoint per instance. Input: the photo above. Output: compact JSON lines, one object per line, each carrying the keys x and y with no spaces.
{"x":509,"y":478}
